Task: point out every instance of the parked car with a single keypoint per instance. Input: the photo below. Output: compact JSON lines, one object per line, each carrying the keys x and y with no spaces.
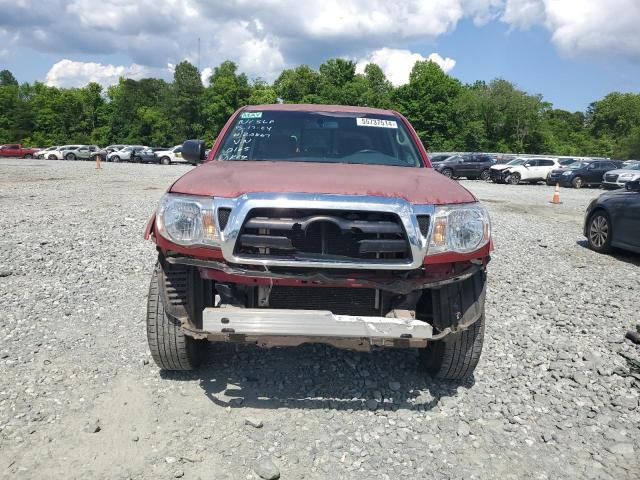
{"x":174,"y":155}
{"x":44,"y":153}
{"x":83,"y":152}
{"x":618,"y":178}
{"x":629,"y":163}
{"x":613,"y":220}
{"x":61,"y":152}
{"x":470,"y":165}
{"x":114,"y":148}
{"x":582,"y":173}
{"x":328,"y":228}
{"x":534,"y":170}
{"x":16,"y":150}
{"x":124,"y":154}
{"x":144,"y":155}
{"x":496,"y":171}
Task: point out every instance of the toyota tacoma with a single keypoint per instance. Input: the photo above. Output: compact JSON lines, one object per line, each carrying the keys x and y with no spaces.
{"x":318,"y":224}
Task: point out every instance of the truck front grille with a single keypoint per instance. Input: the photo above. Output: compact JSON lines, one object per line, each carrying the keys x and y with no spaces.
{"x":341,"y":301}
{"x":301,"y":234}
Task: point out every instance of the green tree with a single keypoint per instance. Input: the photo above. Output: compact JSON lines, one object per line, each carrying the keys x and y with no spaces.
{"x":187,"y":92}
{"x":227,"y":91}
{"x":297,"y":85}
{"x":7,"y":78}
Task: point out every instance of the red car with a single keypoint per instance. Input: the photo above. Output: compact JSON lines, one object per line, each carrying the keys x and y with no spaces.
{"x":16,"y":151}
{"x":318,"y":224}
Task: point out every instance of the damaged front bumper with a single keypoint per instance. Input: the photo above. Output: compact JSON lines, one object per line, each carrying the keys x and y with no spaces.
{"x":278,"y":327}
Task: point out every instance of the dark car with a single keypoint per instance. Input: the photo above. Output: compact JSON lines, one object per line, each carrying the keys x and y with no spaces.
{"x":613,"y":220}
{"x":582,"y":173}
{"x":144,"y":155}
{"x":470,"y":165}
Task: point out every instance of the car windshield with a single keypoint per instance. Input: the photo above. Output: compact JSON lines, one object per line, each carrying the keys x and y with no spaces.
{"x":517,"y":161}
{"x":577,"y":165}
{"x":633,"y":166}
{"x":323,"y":137}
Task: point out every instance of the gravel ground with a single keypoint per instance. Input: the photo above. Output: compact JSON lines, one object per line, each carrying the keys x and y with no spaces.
{"x":555,"y":395}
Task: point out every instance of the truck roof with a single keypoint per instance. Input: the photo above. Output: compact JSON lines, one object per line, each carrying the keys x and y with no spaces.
{"x":292,"y":107}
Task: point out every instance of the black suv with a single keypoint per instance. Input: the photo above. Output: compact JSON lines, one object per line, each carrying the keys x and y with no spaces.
{"x":470,"y":165}
{"x":583,"y":172}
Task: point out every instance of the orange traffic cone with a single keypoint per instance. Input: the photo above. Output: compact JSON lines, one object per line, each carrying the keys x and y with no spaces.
{"x":556,"y":195}
{"x":98,"y":167}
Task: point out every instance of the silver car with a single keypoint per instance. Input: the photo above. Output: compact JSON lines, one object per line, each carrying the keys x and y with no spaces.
{"x":618,"y":178}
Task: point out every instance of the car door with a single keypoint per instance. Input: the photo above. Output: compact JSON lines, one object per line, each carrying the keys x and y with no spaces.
{"x":529,"y":170}
{"x":467,"y":166}
{"x":593,"y":173}
{"x":545,"y":166}
{"x":82,"y":152}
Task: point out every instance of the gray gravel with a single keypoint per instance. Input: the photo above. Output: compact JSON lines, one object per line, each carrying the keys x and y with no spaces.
{"x":555,"y":394}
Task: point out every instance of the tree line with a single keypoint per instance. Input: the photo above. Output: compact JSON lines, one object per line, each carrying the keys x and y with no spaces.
{"x":448,"y":115}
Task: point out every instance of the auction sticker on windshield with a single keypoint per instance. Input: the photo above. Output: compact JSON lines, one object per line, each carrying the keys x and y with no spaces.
{"x":251,"y":115}
{"x":376,"y":122}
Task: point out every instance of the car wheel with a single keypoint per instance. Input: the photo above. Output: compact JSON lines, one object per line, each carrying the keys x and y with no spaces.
{"x":136,"y":159}
{"x":485,"y":175}
{"x":165,"y":161}
{"x":70,"y":156}
{"x":28,"y":155}
{"x":52,"y":157}
{"x":513,"y":179}
{"x":599,"y":232}
{"x":577,"y":182}
{"x":115,"y":158}
{"x":456,"y":356}
{"x":447,"y":172}
{"x":170,"y":348}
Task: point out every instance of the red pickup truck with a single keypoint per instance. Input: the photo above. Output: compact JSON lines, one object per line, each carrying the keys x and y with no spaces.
{"x":16,"y":151}
{"x":318,"y":224}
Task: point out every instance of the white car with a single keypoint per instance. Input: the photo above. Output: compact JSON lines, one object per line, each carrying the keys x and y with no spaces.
{"x":124,"y":154}
{"x":167,"y":157}
{"x":534,"y":170}
{"x":497,"y":172}
{"x":61,"y":152}
{"x":46,"y":152}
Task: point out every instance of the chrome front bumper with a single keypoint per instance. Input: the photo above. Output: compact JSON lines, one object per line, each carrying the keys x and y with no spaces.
{"x":274,"y":327}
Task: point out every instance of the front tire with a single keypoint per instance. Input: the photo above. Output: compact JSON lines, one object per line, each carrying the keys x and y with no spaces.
{"x":457,"y":355}
{"x":513,"y":179}
{"x":447,"y":172}
{"x":577,"y":182}
{"x":599,"y":232}
{"x":52,"y":157}
{"x":28,"y":155}
{"x":170,"y":348}
{"x":70,"y":156}
{"x":165,"y":161}
{"x":115,"y":158}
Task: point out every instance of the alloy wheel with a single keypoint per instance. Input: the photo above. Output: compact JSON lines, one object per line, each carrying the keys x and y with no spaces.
{"x":599,"y":231}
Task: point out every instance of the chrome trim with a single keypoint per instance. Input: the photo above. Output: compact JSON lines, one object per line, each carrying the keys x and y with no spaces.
{"x":241,"y":206}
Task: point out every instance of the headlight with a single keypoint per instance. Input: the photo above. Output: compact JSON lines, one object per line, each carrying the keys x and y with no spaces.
{"x":460,"y":228}
{"x":187,"y":220}
{"x":565,"y":174}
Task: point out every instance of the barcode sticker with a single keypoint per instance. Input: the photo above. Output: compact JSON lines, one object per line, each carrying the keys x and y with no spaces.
{"x":376,"y":122}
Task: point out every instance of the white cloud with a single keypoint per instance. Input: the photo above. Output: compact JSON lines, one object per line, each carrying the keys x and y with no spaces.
{"x":602,"y":28}
{"x":397,"y":64}
{"x":265,"y":36}
{"x":67,"y":73}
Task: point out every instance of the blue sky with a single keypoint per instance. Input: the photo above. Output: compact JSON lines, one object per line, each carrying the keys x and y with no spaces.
{"x":572,"y":52}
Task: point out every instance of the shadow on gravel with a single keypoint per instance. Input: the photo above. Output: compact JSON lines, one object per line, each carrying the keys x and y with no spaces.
{"x":316,"y":377}
{"x":623,"y":256}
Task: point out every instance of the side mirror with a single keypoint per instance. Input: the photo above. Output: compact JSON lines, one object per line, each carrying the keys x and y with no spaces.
{"x":633,"y":186}
{"x":193,"y":151}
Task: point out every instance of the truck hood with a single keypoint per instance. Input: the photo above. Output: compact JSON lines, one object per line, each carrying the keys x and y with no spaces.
{"x":234,"y":178}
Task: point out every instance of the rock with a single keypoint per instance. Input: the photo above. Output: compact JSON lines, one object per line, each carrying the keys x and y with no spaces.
{"x":372,"y":404}
{"x":395,"y":386}
{"x":266,"y":469}
{"x":5,"y":273}
{"x":93,"y":426}
{"x":623,"y":449}
{"x":253,"y":422}
{"x":463,"y":429}
{"x":178,"y":474}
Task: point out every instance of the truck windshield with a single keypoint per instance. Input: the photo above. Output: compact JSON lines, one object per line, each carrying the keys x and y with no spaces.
{"x":325,"y":137}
